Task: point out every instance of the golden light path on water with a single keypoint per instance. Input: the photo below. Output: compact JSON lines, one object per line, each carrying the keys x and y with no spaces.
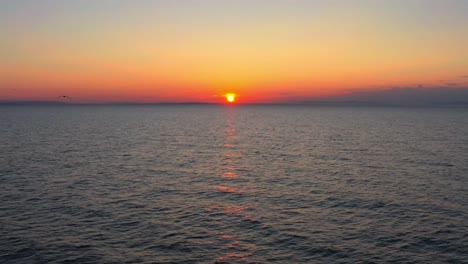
{"x":234,"y":249}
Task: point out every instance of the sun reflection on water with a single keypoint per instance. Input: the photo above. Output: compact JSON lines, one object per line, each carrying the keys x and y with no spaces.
{"x":227,"y":189}
{"x":236,"y":251}
{"x":230,"y":166}
{"x":230,"y":175}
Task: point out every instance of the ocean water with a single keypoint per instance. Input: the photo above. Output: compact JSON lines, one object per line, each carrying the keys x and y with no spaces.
{"x":242,"y":184}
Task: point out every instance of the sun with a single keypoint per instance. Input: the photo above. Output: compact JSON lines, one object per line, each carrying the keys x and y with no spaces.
{"x":231,"y":97}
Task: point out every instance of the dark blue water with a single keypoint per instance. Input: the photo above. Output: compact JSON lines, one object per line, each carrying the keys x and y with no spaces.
{"x":246,"y":184}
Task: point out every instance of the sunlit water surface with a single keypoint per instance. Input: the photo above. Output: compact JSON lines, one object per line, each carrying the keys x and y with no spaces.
{"x":242,"y":184}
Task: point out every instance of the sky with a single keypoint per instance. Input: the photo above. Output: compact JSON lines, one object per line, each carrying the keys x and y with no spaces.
{"x":199,"y":50}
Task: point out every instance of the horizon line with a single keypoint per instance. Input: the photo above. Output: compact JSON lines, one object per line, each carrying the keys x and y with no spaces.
{"x":291,"y":103}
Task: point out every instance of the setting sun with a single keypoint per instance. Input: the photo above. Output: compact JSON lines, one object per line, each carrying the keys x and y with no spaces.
{"x":231,"y":97}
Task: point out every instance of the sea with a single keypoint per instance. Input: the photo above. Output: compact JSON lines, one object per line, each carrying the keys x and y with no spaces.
{"x":233,"y":184}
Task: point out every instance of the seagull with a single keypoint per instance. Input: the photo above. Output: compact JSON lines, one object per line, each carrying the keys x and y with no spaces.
{"x":64,"y":97}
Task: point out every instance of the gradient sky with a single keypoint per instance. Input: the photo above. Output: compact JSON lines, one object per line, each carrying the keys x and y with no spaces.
{"x":198,"y":50}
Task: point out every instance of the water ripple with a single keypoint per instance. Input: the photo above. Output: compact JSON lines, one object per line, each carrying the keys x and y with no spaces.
{"x":213,"y":184}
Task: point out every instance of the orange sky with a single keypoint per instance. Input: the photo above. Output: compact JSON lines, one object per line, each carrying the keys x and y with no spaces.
{"x":264,"y":51}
